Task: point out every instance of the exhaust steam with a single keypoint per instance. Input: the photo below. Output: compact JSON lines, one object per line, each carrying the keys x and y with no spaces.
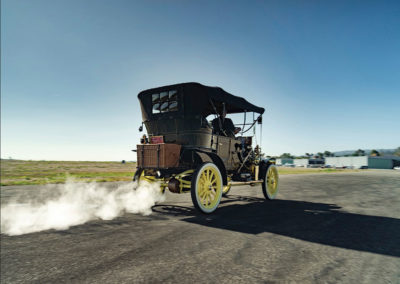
{"x":76,"y":203}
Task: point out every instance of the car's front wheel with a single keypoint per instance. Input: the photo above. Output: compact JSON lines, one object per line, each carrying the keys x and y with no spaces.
{"x":270,"y":183}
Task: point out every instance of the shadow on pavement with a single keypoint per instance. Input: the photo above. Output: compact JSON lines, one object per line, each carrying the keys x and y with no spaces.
{"x":313,"y":222}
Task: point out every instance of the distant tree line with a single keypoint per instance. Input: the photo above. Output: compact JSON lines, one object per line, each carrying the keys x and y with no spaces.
{"x":308,"y":155}
{"x":360,"y":152}
{"x":325,"y":154}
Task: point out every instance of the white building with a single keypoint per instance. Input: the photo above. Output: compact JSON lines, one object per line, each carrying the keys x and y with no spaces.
{"x":300,"y":162}
{"x":363,"y":161}
{"x":312,"y":162}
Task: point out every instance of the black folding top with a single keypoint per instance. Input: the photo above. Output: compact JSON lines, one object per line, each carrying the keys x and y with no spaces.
{"x":196,"y":99}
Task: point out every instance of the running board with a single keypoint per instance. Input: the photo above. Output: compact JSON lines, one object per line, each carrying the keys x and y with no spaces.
{"x":252,"y":183}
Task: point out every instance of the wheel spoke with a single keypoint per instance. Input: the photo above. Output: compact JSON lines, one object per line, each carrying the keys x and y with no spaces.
{"x":212,"y":189}
{"x":213,"y":194}
{"x":211,"y":177}
{"x":207,"y":199}
{"x":203,"y":178}
{"x":203,"y":199}
{"x":200,"y":189}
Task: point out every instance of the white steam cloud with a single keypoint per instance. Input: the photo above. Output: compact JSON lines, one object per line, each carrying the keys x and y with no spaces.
{"x":77,"y":203}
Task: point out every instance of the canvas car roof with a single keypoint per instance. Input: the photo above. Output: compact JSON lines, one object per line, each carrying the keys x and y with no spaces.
{"x":196,"y":99}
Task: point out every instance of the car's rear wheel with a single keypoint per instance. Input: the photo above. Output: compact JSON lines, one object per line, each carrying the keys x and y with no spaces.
{"x":206,"y":189}
{"x":139,"y":173}
{"x":271,"y":182}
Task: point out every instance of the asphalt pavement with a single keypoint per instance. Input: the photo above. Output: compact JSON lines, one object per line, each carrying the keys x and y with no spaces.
{"x":338,"y":227}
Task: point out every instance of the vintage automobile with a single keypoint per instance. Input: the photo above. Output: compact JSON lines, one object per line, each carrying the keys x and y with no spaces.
{"x":184,"y":152}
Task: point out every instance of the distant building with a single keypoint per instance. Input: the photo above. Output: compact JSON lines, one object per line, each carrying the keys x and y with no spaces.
{"x":284,"y":161}
{"x":312,"y":162}
{"x":316,"y":162}
{"x":357,"y":162}
{"x":309,"y":163}
{"x":300,"y":162}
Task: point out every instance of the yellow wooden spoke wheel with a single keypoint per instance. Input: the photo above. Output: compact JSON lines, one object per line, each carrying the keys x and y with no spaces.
{"x":206,"y":188}
{"x":270,"y":183}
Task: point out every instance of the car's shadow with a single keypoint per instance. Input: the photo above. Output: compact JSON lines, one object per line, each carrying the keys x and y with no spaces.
{"x":313,"y":222}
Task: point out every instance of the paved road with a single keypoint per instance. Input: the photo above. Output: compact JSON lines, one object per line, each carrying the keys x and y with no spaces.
{"x":323,"y":228}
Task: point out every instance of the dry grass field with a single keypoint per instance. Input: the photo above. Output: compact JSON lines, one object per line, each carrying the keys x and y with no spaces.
{"x":19,"y":172}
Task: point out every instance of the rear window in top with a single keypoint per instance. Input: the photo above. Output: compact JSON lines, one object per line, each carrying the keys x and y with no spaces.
{"x":166,"y":101}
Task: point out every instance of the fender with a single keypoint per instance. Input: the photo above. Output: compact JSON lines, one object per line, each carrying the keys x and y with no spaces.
{"x":217,"y":161}
{"x":268,"y":161}
{"x":264,"y":163}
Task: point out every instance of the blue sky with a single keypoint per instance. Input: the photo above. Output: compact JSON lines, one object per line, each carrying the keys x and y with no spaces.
{"x":327,"y":72}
